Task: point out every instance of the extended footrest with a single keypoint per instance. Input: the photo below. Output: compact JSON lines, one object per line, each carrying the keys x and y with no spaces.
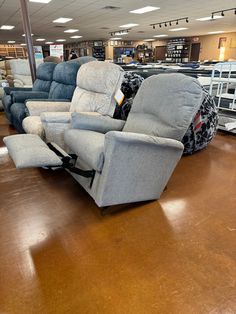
{"x":28,"y":150}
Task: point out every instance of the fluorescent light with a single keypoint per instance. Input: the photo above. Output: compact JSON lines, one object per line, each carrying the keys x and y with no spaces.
{"x":150,"y":39}
{"x":215,"y":32}
{"x":24,"y":35}
{"x":129,"y":25}
{"x":62,"y":20}
{"x":144,"y":10}
{"x":121,"y":33}
{"x":209,"y":18}
{"x":115,"y":38}
{"x":60,"y":40}
{"x":76,"y":36}
{"x":23,"y":44}
{"x":71,"y":30}
{"x":178,"y":29}
{"x":49,"y":42}
{"x":40,"y":1}
{"x":7,"y":27}
{"x":11,"y":41}
{"x":159,"y":36}
{"x":40,"y":39}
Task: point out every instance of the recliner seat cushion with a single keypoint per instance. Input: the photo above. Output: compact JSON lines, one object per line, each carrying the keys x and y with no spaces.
{"x":92,"y":143}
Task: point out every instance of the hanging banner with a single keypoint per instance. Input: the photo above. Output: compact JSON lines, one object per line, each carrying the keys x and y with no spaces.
{"x":38,"y":52}
{"x":57,"y":51}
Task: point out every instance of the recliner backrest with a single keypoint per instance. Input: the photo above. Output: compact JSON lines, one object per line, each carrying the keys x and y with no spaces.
{"x":20,"y":70}
{"x":64,"y":78}
{"x":44,"y":76}
{"x":165,"y":106}
{"x":97,"y":83}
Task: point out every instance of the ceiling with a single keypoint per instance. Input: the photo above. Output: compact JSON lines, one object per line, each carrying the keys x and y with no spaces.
{"x":90,"y":17}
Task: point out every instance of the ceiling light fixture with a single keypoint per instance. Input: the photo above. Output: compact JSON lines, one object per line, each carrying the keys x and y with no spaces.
{"x":11,"y":41}
{"x":77,"y":36}
{"x":49,"y":42}
{"x":7,"y":27}
{"x":170,"y":22}
{"x":24,"y":35}
{"x":71,"y":30}
{"x":178,"y":29}
{"x":60,"y":40}
{"x":160,"y":36}
{"x":222,"y":12}
{"x":23,"y":44}
{"x":40,"y":39}
{"x":129,"y":25}
{"x":149,"y":39}
{"x":40,"y":1}
{"x":144,"y":10}
{"x":215,"y":32}
{"x":115,"y":38}
{"x":62,"y":20}
{"x":209,"y":18}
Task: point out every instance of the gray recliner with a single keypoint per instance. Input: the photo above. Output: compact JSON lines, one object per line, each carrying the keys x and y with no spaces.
{"x":134,"y":162}
{"x":118,"y":161}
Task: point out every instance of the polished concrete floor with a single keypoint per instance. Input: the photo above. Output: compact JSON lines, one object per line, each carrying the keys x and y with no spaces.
{"x":59,"y":255}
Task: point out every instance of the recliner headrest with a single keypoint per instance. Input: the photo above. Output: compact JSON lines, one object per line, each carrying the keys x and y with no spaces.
{"x":66,"y":72}
{"x":45,"y":71}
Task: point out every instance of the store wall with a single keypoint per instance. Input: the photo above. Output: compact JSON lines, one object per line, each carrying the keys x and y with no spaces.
{"x":209,"y":46}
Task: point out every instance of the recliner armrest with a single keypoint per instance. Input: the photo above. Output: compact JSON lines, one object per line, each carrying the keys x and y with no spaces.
{"x":56,"y":117}
{"x":147,"y":140}
{"x":8,"y":90}
{"x":93,"y":121}
{"x":22,"y":96}
{"x":35,"y":108}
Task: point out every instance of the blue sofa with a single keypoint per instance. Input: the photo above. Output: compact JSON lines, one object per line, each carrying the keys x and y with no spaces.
{"x":40,"y":89}
{"x":61,"y":88}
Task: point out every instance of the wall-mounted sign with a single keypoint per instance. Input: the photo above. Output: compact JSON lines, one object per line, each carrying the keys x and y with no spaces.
{"x":38,"y":52}
{"x":57,"y":51}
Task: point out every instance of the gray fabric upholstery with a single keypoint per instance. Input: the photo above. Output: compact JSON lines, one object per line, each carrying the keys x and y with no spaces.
{"x":92,"y":143}
{"x":35,"y":108}
{"x":164,"y":106}
{"x":138,"y":162}
{"x":33,"y":125}
{"x":30,"y":151}
{"x":97,"y":83}
{"x":102,"y":124}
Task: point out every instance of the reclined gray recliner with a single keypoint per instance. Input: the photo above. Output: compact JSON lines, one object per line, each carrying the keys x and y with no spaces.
{"x":122,"y":161}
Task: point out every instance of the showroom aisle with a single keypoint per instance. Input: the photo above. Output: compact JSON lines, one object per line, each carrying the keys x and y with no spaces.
{"x":59,"y":255}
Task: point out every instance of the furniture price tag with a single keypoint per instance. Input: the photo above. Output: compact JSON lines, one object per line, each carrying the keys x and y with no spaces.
{"x":119,"y":97}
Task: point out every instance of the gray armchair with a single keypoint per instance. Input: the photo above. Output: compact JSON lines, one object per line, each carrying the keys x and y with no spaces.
{"x":134,"y":162}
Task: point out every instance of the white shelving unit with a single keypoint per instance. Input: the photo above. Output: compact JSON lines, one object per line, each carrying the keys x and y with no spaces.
{"x":223,"y":87}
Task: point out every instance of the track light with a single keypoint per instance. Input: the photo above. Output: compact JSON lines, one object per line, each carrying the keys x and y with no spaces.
{"x":212,"y":16}
{"x":177,"y":22}
{"x":170,"y":24}
{"x":222,"y":13}
{"x":153,"y":26}
{"x":186,"y":20}
{"x":160,"y":25}
{"x":235,"y":11}
{"x":165,"y":25}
